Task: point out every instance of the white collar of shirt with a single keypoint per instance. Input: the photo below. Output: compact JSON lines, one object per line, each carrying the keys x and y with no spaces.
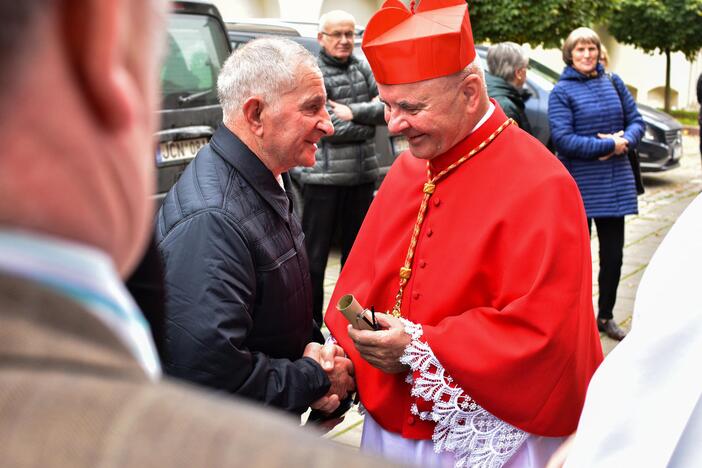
{"x":487,"y":115}
{"x":88,"y":276}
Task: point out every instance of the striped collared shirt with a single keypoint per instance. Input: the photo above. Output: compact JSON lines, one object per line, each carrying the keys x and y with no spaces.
{"x":86,"y":275}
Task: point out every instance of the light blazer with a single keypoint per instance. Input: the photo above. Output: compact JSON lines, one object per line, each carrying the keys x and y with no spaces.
{"x":71,"y":395}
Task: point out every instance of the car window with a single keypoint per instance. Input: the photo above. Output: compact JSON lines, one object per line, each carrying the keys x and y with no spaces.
{"x":542,"y":76}
{"x":541,"y":81}
{"x":194,"y":58}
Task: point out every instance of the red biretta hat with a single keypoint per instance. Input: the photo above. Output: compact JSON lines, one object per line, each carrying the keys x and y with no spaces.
{"x":404,"y":46}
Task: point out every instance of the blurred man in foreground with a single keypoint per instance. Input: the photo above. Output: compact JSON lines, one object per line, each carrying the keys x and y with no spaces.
{"x":476,"y":245}
{"x":79,"y":378}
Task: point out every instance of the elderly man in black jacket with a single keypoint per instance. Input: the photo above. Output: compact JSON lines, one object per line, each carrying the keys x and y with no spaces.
{"x":339,"y":188}
{"x":238,"y":293}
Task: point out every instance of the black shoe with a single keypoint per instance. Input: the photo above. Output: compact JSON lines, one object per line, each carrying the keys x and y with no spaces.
{"x":611,"y":329}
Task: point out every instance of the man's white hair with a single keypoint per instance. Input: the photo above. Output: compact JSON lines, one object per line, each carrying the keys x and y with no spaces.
{"x":266,"y":68}
{"x":473,"y":68}
{"x":334,"y":15}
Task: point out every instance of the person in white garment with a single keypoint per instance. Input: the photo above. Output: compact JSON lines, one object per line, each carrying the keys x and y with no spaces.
{"x":644,"y":404}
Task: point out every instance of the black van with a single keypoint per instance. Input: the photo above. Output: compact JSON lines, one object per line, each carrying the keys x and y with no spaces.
{"x":190,"y":112}
{"x":197,"y":46}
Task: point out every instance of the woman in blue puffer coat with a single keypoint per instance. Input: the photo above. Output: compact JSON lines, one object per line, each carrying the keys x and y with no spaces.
{"x":592,"y":128}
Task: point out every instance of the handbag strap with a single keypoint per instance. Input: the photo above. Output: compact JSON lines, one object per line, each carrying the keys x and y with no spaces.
{"x":621,"y":98}
{"x":616,"y":88}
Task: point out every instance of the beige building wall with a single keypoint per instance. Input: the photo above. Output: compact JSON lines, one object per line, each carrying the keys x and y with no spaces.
{"x":362,"y":10}
{"x":231,"y":9}
{"x":643,"y":73}
{"x":646,"y":74}
{"x":297,"y":10}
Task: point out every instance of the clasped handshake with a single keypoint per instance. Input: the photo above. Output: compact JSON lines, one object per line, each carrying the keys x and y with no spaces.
{"x":382,"y":349}
{"x":339,"y":369}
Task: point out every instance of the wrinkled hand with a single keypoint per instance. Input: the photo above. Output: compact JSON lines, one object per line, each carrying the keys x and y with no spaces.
{"x":621,"y":145}
{"x":327,"y":404}
{"x":560,"y":456}
{"x":323,"y":354}
{"x":341,"y":377}
{"x":341,"y":110}
{"x":382,"y":348}
{"x":339,"y":369}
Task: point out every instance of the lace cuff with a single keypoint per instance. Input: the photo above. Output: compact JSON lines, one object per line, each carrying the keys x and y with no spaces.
{"x":474,"y":436}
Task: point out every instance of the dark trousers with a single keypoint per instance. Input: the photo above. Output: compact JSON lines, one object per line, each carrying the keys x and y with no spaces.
{"x":325,"y":206}
{"x":610,"y":232}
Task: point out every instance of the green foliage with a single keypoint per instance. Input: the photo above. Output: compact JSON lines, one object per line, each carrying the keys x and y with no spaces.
{"x":537,"y":22}
{"x":685,"y":117}
{"x":674,"y":25}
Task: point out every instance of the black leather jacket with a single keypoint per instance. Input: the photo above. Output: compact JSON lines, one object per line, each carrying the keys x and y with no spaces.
{"x":348,"y":157}
{"x":238,"y":293}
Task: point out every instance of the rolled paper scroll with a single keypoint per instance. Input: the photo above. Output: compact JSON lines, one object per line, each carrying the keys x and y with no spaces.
{"x":358,"y":317}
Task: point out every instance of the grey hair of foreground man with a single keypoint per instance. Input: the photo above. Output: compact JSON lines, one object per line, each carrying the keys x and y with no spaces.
{"x":505,"y":58}
{"x":266,"y":68}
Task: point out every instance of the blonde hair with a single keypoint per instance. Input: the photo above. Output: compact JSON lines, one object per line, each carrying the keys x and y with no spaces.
{"x":604,"y":56}
{"x":585,"y":35}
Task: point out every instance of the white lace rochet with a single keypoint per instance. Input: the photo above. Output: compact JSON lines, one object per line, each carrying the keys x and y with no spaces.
{"x":475,"y":437}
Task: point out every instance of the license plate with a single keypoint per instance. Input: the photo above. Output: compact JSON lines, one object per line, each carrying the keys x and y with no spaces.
{"x":399,"y":144}
{"x":178,"y":151}
{"x":677,"y":151}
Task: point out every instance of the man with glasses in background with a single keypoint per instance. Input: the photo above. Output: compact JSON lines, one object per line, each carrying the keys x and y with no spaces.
{"x":339,"y":187}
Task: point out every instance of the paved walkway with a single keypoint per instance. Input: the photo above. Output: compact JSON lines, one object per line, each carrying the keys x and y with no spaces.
{"x":667,"y":195}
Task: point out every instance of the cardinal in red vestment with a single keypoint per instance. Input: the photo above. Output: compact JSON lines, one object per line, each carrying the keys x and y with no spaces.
{"x":476,"y":248}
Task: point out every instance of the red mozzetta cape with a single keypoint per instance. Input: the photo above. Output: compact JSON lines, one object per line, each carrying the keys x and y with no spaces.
{"x":501,"y":284}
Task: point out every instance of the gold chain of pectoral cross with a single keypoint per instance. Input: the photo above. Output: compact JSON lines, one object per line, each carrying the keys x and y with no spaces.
{"x":429,"y":187}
